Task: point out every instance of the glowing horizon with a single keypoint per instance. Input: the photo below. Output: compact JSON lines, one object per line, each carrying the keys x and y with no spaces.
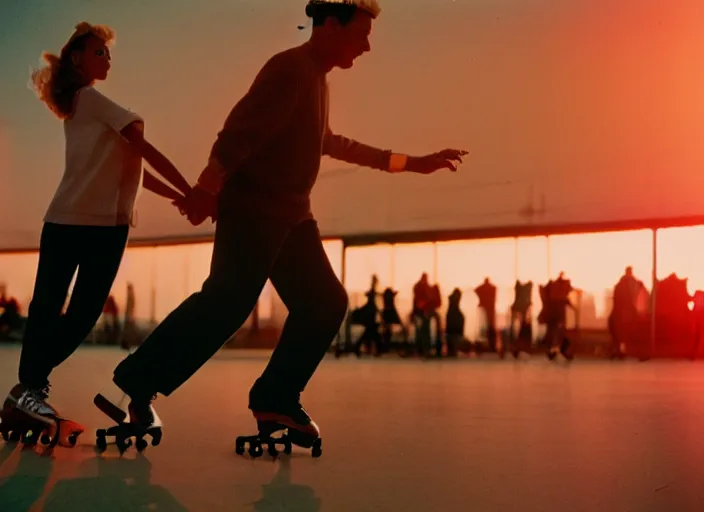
{"x":164,"y":276}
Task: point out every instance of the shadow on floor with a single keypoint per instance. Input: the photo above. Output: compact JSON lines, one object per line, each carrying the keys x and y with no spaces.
{"x":281,"y":494}
{"x":115,"y":484}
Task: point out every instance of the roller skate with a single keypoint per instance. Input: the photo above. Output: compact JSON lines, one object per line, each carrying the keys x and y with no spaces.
{"x":27,"y":417}
{"x":143,"y":421}
{"x":274,"y":416}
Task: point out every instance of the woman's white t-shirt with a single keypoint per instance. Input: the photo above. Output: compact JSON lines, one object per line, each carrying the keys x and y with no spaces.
{"x":103,"y":173}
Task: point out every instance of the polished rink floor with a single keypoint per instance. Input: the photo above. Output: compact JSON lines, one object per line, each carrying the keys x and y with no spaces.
{"x":399,"y":435}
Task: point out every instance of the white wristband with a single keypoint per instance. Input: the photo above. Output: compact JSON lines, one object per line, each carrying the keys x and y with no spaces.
{"x":397,"y":162}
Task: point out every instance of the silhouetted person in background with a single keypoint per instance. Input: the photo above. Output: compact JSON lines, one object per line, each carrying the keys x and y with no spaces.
{"x":673,"y":318}
{"x":130,"y":332}
{"x":390,"y":317}
{"x":421,"y":301}
{"x":630,"y":307}
{"x":421,"y":295}
{"x":486,"y":293}
{"x":111,"y":320}
{"x":368,"y":317}
{"x":426,"y":301}
{"x":555,"y":296}
{"x":432,"y":313}
{"x":520,"y":313}
{"x":698,"y":318}
{"x":454,"y":323}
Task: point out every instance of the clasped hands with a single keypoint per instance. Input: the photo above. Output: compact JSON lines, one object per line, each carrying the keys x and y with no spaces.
{"x":198,"y":205}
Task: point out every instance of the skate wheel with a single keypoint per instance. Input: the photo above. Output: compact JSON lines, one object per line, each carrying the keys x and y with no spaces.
{"x":317,"y":449}
{"x":239,"y":446}
{"x":156,"y":437}
{"x":255,"y":450}
{"x":55,"y":438}
{"x":45,"y":439}
{"x":287,"y":447}
{"x":15,"y":436}
{"x":123,"y":445}
{"x":101,"y":443}
{"x":29,"y":438}
{"x":72,"y":440}
{"x":4,"y":435}
{"x":272,"y":451}
{"x":141,"y":444}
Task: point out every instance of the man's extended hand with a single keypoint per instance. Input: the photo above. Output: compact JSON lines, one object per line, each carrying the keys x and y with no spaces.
{"x":198,"y":206}
{"x":445,"y":159}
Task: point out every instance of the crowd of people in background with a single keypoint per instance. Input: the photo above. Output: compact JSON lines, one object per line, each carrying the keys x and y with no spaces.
{"x":114,"y":327}
{"x":377,"y":327}
{"x":384,"y":329}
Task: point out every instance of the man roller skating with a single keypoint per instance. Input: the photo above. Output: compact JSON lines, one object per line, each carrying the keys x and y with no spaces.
{"x":257,"y":184}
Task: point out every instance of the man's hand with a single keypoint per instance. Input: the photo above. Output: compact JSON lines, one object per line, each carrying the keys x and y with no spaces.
{"x":445,"y":159}
{"x":180,"y":203}
{"x":198,"y":206}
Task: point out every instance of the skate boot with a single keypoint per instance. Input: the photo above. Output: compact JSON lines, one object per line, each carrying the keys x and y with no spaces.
{"x":32,"y":402}
{"x":27,"y":416}
{"x":143,"y":420}
{"x":275,"y":414}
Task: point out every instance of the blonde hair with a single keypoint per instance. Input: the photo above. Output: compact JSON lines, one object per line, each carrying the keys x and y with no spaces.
{"x":57,"y":83}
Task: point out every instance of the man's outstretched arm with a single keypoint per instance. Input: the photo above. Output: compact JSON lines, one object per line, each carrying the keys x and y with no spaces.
{"x":351,"y":151}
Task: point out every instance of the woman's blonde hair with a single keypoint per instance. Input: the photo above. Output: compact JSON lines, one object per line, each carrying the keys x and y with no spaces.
{"x":57,"y":83}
